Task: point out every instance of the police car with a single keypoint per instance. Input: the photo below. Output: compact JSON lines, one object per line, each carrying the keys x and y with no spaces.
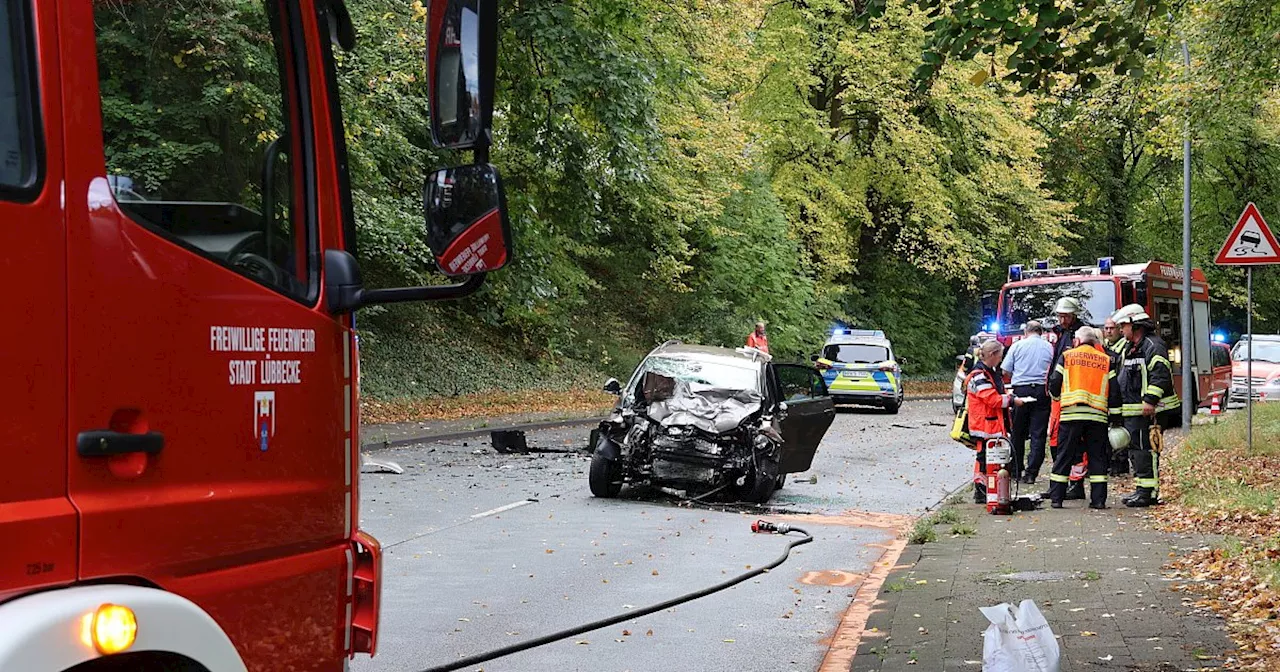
{"x":860,"y":368}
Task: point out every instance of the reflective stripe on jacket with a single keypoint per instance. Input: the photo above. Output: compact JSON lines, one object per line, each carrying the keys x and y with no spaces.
{"x":1084,"y":384}
{"x":986,"y":401}
{"x":1146,"y":376}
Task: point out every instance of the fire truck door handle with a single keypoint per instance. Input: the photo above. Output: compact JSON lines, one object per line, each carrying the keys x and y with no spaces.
{"x":101,"y":442}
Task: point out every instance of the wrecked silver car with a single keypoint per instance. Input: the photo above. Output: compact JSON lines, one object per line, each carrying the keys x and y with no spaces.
{"x":702,"y":419}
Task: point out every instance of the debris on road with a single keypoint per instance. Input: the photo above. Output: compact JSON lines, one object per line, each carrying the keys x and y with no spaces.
{"x":374,"y":465}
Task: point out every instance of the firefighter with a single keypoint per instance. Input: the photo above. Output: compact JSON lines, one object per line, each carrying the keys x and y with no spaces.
{"x":1084,"y":385}
{"x":987,"y":402}
{"x":1115,"y":338}
{"x":1116,"y":344}
{"x":1068,"y":311}
{"x":1147,"y":394}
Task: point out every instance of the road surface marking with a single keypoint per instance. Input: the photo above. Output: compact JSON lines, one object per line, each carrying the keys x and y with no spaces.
{"x":504,"y":507}
{"x":849,"y":633}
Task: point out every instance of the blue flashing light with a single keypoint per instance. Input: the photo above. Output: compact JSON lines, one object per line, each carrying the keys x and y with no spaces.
{"x":1219,"y":337}
{"x":1015,"y":273}
{"x":1104,"y":264}
{"x":1042,"y":264}
{"x":994,"y":327}
{"x":837,"y":332}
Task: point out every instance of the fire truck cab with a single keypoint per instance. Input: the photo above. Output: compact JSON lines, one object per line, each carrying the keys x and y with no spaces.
{"x":1030,"y":294}
{"x":182,"y":428}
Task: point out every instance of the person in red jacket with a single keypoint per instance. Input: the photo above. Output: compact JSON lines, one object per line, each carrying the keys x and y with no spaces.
{"x":757,"y":339}
{"x":987,"y":402}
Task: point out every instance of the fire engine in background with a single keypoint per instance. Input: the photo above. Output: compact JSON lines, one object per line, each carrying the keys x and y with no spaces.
{"x":1030,"y":294}
{"x":182,"y":426}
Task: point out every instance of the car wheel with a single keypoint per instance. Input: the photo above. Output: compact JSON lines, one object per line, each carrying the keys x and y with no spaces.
{"x":605,"y":477}
{"x":760,"y":485}
{"x":892,"y":406}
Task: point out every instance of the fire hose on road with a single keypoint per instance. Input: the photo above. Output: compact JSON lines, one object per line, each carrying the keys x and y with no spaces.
{"x":760,"y":526}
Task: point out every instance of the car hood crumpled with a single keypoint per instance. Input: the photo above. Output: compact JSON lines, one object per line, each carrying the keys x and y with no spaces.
{"x":709,"y":409}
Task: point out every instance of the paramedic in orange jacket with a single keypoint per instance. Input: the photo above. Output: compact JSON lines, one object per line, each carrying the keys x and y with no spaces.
{"x":987,"y":402}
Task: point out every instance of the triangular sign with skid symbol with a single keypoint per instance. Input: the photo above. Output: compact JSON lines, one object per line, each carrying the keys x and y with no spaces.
{"x":1250,"y":242}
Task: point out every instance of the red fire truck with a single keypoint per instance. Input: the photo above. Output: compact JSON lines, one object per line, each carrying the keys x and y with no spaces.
{"x":1030,"y":294}
{"x":182,"y":471}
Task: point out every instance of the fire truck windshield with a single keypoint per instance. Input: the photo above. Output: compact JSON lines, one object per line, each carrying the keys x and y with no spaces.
{"x":1020,"y":305}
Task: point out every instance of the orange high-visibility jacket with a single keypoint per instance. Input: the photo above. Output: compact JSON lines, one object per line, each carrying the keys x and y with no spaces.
{"x":986,"y":404}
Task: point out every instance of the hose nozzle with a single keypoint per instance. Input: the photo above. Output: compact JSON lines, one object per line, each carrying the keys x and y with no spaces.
{"x":761,"y":526}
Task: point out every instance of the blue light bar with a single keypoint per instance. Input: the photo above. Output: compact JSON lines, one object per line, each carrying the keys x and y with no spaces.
{"x":1104,"y":265}
{"x":1015,"y":273}
{"x":1041,"y":264}
{"x":1219,"y":337}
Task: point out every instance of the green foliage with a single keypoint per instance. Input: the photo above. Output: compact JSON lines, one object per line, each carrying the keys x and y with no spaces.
{"x":1036,"y":42}
{"x":683,"y":169}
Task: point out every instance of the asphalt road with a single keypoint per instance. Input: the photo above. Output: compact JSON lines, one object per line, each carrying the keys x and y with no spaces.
{"x":484,"y":550}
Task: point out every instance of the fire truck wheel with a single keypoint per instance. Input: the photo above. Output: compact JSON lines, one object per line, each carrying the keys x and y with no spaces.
{"x":604,"y":477}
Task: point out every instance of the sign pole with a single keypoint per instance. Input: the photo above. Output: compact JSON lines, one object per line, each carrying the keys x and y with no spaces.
{"x":1248,"y":274}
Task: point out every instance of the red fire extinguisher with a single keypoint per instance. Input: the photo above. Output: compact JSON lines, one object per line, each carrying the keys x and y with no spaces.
{"x":999,"y":497}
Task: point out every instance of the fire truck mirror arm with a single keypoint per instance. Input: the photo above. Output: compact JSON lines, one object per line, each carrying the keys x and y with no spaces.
{"x":345,"y":290}
{"x":342,"y":31}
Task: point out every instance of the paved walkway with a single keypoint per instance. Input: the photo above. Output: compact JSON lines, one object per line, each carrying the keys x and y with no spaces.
{"x":1096,"y":576}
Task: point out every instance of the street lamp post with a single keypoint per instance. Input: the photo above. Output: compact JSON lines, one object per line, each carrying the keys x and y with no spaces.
{"x":1186,"y":316}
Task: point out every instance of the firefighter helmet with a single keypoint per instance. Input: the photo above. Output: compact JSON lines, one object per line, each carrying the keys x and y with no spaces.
{"x":1119,"y":438}
{"x":1067,"y":304}
{"x":1130,"y":314}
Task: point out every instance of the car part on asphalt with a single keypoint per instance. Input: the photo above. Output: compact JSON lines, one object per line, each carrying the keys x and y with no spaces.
{"x":760,"y":526}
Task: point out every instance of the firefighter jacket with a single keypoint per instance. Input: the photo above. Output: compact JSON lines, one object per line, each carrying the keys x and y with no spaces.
{"x":1085,"y":384}
{"x":986,"y":401}
{"x":1066,"y":337}
{"x":1146,"y":377}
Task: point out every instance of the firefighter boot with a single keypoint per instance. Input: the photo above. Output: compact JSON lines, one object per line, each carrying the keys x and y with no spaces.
{"x":1142,"y":498}
{"x":1075,"y":490}
{"x":1097,"y":495}
{"x":1055,"y":494}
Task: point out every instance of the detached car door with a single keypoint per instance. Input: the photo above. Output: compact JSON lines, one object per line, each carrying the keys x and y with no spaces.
{"x":810,"y":412}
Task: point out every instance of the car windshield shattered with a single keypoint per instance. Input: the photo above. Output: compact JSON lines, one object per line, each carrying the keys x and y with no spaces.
{"x":700,"y":373}
{"x":714,"y":396}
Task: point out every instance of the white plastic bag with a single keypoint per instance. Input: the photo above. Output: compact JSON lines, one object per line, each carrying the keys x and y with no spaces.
{"x":1018,"y":640}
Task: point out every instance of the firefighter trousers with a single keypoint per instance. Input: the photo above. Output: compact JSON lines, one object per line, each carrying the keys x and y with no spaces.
{"x":1076,"y":439}
{"x":1145,"y":475}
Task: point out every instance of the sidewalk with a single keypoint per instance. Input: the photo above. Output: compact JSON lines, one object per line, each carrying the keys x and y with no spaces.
{"x":1096,"y":576}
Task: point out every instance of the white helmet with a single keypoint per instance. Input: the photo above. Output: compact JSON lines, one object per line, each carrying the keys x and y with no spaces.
{"x":1119,"y":438}
{"x":1130,"y":314}
{"x":1067,"y":305}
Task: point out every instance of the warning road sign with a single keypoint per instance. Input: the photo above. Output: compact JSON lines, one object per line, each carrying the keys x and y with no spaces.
{"x":1250,"y":242}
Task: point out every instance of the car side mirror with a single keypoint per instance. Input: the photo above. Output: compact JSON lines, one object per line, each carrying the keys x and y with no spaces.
{"x":612,"y":386}
{"x":467,"y":227}
{"x":814,"y":358}
{"x":462,"y":39}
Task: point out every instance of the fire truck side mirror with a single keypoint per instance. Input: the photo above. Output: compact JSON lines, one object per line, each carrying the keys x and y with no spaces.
{"x":462,"y":40}
{"x":467,"y":228}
